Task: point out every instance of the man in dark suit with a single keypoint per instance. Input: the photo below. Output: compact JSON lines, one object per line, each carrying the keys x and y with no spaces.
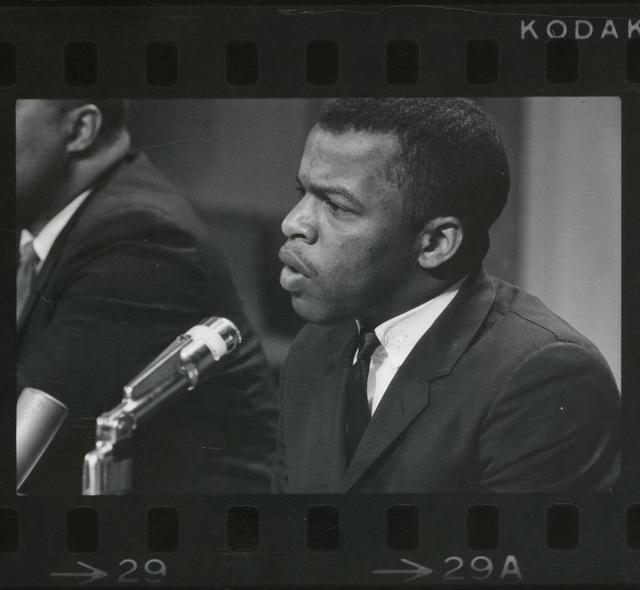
{"x":121,"y":269}
{"x":419,"y":372}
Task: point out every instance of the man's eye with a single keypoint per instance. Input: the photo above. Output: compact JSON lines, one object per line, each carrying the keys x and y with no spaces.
{"x":335,"y":207}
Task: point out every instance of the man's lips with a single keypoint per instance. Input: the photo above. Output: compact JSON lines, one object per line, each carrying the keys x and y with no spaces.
{"x":295,"y":262}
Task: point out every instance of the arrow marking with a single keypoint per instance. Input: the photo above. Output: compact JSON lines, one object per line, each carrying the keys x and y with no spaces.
{"x":418,"y":571}
{"x":94,"y":574}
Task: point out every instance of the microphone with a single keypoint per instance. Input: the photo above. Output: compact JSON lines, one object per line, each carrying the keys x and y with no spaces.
{"x":190,"y":358}
{"x":187,"y":358}
{"x":38,"y":419}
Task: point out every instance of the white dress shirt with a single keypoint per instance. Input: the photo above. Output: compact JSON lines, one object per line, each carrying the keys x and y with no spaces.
{"x":43,"y":242}
{"x":398,"y":336}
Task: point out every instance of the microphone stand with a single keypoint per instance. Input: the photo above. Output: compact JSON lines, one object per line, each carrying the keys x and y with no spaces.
{"x":182,"y":365}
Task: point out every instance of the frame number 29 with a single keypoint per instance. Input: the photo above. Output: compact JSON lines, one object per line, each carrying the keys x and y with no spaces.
{"x":153,"y":570}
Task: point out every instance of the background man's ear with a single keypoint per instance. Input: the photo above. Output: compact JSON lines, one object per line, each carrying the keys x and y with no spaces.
{"x":84,"y":123}
{"x":439,"y":241}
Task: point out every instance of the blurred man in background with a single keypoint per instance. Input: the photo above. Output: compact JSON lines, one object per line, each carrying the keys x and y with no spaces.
{"x":113,"y":266}
{"x":418,"y":371}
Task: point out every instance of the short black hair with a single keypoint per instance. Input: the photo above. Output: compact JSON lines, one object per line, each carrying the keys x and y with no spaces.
{"x":451,"y":161}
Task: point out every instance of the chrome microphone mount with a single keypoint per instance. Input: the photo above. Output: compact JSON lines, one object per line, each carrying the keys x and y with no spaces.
{"x":181,"y":366}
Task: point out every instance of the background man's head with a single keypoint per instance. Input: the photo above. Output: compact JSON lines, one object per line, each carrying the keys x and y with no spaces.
{"x":53,"y":137}
{"x":397,"y":196}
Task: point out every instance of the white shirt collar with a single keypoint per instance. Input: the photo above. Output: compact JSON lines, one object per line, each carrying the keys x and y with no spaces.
{"x":401,"y":333}
{"x":43,"y":242}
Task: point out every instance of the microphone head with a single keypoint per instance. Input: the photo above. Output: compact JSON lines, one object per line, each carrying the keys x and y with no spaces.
{"x":188,"y":356}
{"x":207,"y":343}
{"x":219,"y":335}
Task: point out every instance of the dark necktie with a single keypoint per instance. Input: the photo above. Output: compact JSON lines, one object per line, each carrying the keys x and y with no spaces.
{"x":25,"y":277}
{"x":357,"y":406}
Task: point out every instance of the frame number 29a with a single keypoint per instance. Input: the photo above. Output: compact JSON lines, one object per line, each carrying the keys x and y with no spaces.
{"x":481,"y":567}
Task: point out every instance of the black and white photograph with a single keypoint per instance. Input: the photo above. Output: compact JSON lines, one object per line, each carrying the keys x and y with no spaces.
{"x":318,"y":296}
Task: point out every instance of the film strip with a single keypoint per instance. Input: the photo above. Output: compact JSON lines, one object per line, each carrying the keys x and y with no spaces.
{"x":252,"y":80}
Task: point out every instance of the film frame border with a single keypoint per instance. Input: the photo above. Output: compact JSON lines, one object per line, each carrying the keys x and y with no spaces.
{"x":510,"y":66}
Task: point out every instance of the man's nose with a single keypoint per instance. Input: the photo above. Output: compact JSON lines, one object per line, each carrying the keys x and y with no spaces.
{"x":300,"y":221}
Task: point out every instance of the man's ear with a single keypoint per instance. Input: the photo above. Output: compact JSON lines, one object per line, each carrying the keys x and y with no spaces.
{"x":439,"y":241}
{"x":83,"y":127}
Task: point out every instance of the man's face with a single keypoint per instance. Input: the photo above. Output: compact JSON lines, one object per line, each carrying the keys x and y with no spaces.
{"x":349,"y":249}
{"x":40,"y":155}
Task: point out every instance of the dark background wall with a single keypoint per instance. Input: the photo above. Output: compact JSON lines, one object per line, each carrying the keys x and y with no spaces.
{"x":237,"y":159}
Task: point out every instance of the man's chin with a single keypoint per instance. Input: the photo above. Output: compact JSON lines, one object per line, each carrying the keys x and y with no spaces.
{"x":316,"y":313}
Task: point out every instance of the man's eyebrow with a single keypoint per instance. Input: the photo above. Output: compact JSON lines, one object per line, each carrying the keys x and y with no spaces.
{"x":332,"y":189}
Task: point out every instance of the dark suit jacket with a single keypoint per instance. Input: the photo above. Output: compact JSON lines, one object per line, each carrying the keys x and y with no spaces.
{"x":130,"y":272}
{"x":500,"y":395}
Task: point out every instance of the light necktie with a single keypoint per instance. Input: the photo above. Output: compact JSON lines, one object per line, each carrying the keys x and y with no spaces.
{"x":357,"y":404}
{"x":25,"y":277}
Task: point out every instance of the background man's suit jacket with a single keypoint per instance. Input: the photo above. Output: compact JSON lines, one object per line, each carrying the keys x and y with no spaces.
{"x":500,"y":395}
{"x":128,"y":274}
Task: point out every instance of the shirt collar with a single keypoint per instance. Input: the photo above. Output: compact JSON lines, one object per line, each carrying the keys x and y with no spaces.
{"x":43,"y":242}
{"x":401,"y":333}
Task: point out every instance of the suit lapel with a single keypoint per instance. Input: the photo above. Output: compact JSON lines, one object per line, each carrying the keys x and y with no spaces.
{"x":434,"y":356}
{"x":34,"y":295}
{"x":56,"y":250}
{"x":335,"y":384}
{"x":37,"y":290}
